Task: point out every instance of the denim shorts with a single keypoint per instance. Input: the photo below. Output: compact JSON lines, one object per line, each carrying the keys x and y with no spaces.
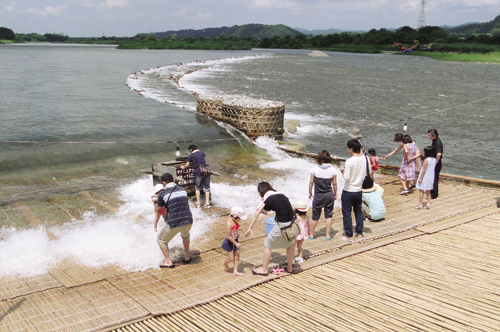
{"x":202,"y":181}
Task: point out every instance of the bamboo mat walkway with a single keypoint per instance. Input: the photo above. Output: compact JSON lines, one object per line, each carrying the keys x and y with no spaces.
{"x":444,"y":281}
{"x":72,"y":297}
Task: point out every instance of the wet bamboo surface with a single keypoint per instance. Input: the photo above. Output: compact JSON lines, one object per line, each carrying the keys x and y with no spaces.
{"x":417,"y":269}
{"x":440,"y":281}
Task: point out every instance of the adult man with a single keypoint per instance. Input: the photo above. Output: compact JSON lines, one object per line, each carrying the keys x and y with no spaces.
{"x":178,"y":216}
{"x":373,"y":204}
{"x":438,"y":145}
{"x":354,"y":173}
{"x":197,"y":158}
{"x":355,"y":134}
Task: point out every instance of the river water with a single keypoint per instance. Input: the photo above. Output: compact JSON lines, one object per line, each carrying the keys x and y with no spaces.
{"x":71,"y":122}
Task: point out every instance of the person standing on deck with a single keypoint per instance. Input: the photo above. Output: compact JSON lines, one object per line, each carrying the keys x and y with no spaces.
{"x":354,"y":173}
{"x":178,"y":216}
{"x":355,"y":134}
{"x":438,"y":146}
{"x":196,"y":158}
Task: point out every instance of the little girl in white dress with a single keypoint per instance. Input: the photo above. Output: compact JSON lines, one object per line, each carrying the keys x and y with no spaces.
{"x":425,"y":180}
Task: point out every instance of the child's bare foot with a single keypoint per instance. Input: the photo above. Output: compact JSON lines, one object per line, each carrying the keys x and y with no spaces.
{"x":238,"y":274}
{"x":226,"y":268}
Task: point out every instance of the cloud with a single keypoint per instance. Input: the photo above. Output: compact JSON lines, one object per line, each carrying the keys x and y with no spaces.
{"x":106,"y":4}
{"x":273,"y":4}
{"x":204,"y":16}
{"x":472,"y":3}
{"x":12,"y":6}
{"x":181,"y":12}
{"x":48,"y":11}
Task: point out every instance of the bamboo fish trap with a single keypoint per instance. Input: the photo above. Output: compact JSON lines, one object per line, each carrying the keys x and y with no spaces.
{"x":254,"y":117}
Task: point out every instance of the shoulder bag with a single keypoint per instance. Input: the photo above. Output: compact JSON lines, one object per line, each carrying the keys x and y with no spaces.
{"x":291,"y":231}
{"x":204,"y":170}
{"x":368,"y":181}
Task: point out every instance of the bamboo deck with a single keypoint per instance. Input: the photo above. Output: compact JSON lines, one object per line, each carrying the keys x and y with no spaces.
{"x":422,"y":270}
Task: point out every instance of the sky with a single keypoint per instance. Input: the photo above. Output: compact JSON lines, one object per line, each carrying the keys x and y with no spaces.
{"x":95,"y":18}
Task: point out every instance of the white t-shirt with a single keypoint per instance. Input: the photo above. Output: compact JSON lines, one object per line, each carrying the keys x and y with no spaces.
{"x":354,"y":173}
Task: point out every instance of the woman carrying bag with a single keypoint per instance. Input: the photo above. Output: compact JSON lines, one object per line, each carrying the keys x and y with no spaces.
{"x":285,"y":231}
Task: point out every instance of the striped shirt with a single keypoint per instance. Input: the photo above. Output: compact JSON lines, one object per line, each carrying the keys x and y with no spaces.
{"x":178,"y":212}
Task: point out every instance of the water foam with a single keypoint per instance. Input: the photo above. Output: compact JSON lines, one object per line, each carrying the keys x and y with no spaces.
{"x":126,"y":238}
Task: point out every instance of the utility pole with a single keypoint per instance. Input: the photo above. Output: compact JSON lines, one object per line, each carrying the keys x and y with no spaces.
{"x":421,"y":18}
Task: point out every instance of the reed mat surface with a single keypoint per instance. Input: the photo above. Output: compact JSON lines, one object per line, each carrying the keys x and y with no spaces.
{"x":415,"y":270}
{"x":444,"y":281}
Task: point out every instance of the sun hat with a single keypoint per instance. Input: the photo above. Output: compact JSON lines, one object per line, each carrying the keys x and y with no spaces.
{"x":238,"y":212}
{"x":301,"y":206}
{"x":158,"y":188}
{"x":355,"y":133}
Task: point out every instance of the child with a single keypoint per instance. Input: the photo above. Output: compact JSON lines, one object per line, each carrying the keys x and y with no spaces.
{"x":231,"y":244}
{"x":303,"y":221}
{"x":425,"y":180}
{"x":374,"y":159}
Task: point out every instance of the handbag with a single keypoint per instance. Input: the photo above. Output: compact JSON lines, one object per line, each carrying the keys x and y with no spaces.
{"x":204,"y":170}
{"x":368,"y":181}
{"x":291,"y":231}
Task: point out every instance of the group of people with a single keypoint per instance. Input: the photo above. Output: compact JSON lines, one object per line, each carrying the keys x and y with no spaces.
{"x":292,"y":225}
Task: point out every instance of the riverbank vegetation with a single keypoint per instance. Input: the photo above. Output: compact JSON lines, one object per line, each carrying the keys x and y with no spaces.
{"x":455,"y":44}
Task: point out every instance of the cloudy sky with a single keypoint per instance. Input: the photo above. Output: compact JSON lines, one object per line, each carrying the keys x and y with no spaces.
{"x":129,"y":17}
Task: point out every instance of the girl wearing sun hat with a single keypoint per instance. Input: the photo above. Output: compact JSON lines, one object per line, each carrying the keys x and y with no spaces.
{"x":303,"y":221}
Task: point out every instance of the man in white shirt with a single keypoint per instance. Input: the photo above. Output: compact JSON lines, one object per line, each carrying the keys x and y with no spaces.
{"x":354,"y":173}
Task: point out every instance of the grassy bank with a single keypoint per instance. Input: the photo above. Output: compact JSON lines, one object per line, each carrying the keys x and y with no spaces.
{"x":493,"y":57}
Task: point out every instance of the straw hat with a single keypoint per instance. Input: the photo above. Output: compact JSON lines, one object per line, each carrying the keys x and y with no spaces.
{"x":355,"y":133}
{"x":301,"y":206}
{"x":238,"y":212}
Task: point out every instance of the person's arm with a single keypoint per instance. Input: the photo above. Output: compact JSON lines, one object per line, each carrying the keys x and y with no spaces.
{"x":254,"y":219}
{"x":186,"y":165}
{"x":334,"y":186}
{"x":424,"y":167}
{"x":311,"y":184}
{"x":346,"y":174}
{"x":438,"y":156}
{"x":393,"y":152}
{"x":405,"y":152}
{"x":372,"y":162}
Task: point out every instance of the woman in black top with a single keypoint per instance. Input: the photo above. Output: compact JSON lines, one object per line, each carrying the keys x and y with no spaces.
{"x":279,"y":203}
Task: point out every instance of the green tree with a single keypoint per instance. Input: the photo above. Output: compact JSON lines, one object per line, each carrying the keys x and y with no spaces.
{"x":6,"y":33}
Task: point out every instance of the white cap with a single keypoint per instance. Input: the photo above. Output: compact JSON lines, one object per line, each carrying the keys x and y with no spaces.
{"x":238,"y":212}
{"x":158,"y":188}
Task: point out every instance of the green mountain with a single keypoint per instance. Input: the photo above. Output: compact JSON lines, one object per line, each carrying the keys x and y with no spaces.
{"x":466,"y":30}
{"x":259,"y":31}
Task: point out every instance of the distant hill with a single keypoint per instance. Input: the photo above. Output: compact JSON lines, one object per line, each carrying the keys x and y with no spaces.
{"x":255,"y":30}
{"x":319,"y":32}
{"x":468,"y":29}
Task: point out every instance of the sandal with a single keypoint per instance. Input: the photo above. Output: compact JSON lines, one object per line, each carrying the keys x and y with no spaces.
{"x":404,"y":192}
{"x":278,"y":270}
{"x":428,"y":206}
{"x":419,"y":207}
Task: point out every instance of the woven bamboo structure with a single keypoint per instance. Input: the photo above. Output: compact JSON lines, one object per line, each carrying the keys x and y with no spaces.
{"x":254,"y":117}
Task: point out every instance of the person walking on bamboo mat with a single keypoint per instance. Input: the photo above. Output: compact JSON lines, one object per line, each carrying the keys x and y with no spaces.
{"x":408,"y":167}
{"x":303,"y":220}
{"x":231,"y":243}
{"x":438,"y":146}
{"x":425,"y":181}
{"x":197,"y":158}
{"x":178,"y":216}
{"x":279,"y":237}
{"x":354,"y":173}
{"x":324,"y":180}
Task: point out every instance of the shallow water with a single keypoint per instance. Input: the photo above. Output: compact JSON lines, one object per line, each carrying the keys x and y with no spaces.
{"x":88,"y":131}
